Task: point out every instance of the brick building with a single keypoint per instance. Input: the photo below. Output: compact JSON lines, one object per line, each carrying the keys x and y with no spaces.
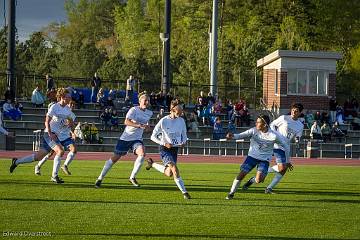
{"x":298,"y":76}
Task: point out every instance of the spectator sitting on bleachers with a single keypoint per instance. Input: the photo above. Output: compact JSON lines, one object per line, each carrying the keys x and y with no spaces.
{"x":218,"y":131}
{"x":356,"y":123}
{"x":10,"y":111}
{"x":160,"y":115}
{"x":326,"y":132}
{"x":109,"y":102}
{"x":81,"y":101}
{"x":229,"y":109}
{"x":355,"y":105}
{"x":210,"y":99}
{"x":340,"y":117}
{"x":160,"y":100}
{"x":153,"y":100}
{"x":217,"y":107}
{"x":231,"y":128}
{"x":18,"y":105}
{"x":78,"y":132}
{"x":315,"y":132}
{"x":336,"y":131}
{"x":9,"y":95}
{"x":207,"y":116}
{"x":72,"y":105}
{"x":194,"y":125}
{"x":332,"y":107}
{"x":37,"y":98}
{"x":100,"y":99}
{"x":168,"y":99}
{"x":317,"y":117}
{"x":309,"y":119}
{"x":114,"y":120}
{"x":105,"y":117}
{"x":94,"y":131}
{"x":325,"y":118}
{"x":202,"y":99}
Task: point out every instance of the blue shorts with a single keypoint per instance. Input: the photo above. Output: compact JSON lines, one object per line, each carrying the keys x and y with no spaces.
{"x":280,"y":156}
{"x":250,"y":163}
{"x":48,"y":144}
{"x":122,"y":147}
{"x":168,"y":155}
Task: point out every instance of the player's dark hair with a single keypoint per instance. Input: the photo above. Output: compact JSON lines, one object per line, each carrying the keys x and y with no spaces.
{"x":299,"y":106}
{"x":265,"y":119}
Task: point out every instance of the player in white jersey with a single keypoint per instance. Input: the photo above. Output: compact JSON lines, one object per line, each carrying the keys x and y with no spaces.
{"x":69,"y":145}
{"x":262,"y":140}
{"x":291,"y":128}
{"x":170,"y":134}
{"x":58,"y":124}
{"x":136,"y":121}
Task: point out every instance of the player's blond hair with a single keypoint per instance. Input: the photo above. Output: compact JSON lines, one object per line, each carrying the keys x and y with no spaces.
{"x":61,"y":92}
{"x":143,"y":95}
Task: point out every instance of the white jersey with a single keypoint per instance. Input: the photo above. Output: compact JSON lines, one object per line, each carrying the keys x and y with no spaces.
{"x":136,"y":115}
{"x":288,"y":128}
{"x":170,"y":130}
{"x":59,"y":117}
{"x":261,"y":144}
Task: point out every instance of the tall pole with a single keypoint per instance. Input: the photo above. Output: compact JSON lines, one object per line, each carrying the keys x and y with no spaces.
{"x":166,"y":81}
{"x":10,"y":71}
{"x":214,"y":39}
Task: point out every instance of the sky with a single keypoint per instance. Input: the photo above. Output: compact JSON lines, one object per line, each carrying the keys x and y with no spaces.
{"x":32,"y":15}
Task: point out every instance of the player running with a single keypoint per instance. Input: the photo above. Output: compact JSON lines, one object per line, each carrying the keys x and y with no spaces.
{"x":260,"y":152}
{"x":136,"y":121}
{"x":291,"y":128}
{"x":170,"y":134}
{"x":69,"y":145}
{"x":58,"y":123}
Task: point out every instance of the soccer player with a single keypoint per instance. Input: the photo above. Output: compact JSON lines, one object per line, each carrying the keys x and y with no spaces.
{"x":291,"y":128}
{"x":260,"y":152}
{"x":68,"y":145}
{"x":58,"y":123}
{"x":170,"y":134}
{"x":136,"y":121}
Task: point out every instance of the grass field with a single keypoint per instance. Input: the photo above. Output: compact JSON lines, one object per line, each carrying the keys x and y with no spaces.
{"x":314,"y":202}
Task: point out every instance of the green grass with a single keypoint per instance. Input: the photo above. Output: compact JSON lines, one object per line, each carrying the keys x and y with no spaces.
{"x":314,"y":202}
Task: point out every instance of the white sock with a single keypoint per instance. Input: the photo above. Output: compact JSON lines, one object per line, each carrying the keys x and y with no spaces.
{"x":27,"y":159}
{"x":137,"y":165}
{"x":107,"y":166}
{"x":69,"y":158}
{"x":42,"y":161}
{"x":180,"y":184}
{"x":235,"y":186}
{"x":159,"y":167}
{"x":56,"y":165}
{"x":275,"y":180}
{"x":274,"y":168}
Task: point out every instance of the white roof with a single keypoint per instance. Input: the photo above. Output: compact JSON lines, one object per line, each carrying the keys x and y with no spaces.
{"x":297,"y":54}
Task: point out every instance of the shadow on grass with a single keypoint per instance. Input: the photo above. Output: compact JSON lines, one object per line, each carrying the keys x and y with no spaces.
{"x":192,"y":188}
{"x":189,"y":236}
{"x":235,"y":202}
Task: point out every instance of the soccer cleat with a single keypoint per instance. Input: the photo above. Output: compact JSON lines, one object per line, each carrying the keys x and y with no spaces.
{"x":37,"y":170}
{"x":134,"y":182}
{"x":57,"y":180}
{"x":269,"y":191}
{"x":13,"y":165}
{"x":98,"y":183}
{"x":248,"y":184}
{"x":186,"y":195}
{"x":230,"y":196}
{"x":65,"y":169}
{"x":149,"y":163}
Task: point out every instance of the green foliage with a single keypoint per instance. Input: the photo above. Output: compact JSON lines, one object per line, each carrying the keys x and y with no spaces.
{"x":118,"y":38}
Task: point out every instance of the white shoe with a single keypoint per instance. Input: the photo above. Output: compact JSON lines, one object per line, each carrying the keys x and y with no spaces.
{"x":37,"y":170}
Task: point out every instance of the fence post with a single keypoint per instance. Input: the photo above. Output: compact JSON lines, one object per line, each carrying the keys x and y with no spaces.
{"x":205,"y":141}
{"x":242,"y":147}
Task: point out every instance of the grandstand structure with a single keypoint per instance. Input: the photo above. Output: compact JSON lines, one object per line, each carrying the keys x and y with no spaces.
{"x":33,"y":120}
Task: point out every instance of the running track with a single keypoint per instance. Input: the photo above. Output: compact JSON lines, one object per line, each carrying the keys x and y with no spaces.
{"x":195,"y":158}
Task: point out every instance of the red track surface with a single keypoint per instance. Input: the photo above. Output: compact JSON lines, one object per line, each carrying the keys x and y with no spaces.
{"x":195,"y":158}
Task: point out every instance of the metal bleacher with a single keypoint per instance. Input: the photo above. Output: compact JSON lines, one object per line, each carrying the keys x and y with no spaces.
{"x":202,"y":143}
